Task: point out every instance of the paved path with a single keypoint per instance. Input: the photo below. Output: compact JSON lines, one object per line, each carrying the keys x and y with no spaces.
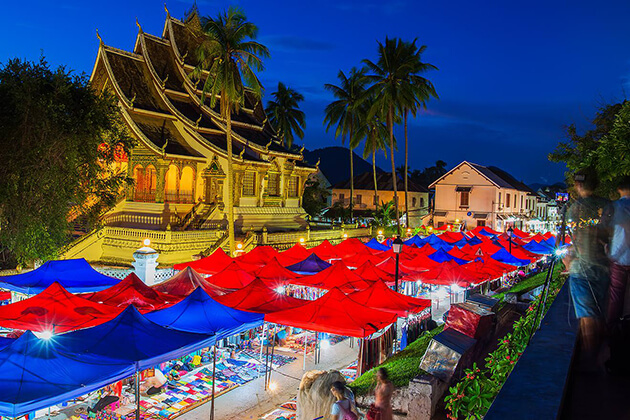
{"x":250,"y":401}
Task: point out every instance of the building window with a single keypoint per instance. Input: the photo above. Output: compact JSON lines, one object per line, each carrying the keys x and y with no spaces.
{"x":273,"y":184}
{"x":481,"y":223}
{"x":293,"y":186}
{"x":464,"y":198}
{"x":249,"y":184}
{"x":421,"y":202}
{"x":413,"y":201}
{"x":358,"y":199}
{"x":521,"y":201}
{"x":440,"y":224}
{"x":499,"y":199}
{"x":507,"y":200}
{"x":342,"y":197}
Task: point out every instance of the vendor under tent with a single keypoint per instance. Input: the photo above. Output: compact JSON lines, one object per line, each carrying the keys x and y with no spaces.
{"x":200,"y":313}
{"x":338,"y":275}
{"x":258,"y":297}
{"x":310,"y":265}
{"x":36,"y":373}
{"x":376,"y":245}
{"x":447,"y":274}
{"x":133,"y":291}
{"x":55,"y":310}
{"x":183,"y":283}
{"x":231,"y":277}
{"x":274,"y":274}
{"x":76,"y":276}
{"x":335,"y":313}
{"x":505,"y":257}
{"x":379,"y":296}
{"x":133,"y":338}
{"x":211,"y":264}
{"x":293,"y":255}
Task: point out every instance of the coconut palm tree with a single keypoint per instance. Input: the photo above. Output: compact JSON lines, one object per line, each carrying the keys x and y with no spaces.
{"x":285,"y":115}
{"x":387,"y":76}
{"x":420,"y":91}
{"x":230,"y":57}
{"x":344,"y":112}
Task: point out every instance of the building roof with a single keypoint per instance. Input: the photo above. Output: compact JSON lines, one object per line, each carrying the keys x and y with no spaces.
{"x":384,"y":182}
{"x":497,"y":176}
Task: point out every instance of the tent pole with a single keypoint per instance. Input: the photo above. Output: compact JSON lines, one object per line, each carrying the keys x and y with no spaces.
{"x":137,"y":383}
{"x":266,"y":362}
{"x":262,"y":339}
{"x":273,"y":348}
{"x":305,"y":340}
{"x":214,"y":371}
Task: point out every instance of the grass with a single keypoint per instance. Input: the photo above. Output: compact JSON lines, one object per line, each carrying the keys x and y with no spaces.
{"x":530,"y":283}
{"x":402,"y":367}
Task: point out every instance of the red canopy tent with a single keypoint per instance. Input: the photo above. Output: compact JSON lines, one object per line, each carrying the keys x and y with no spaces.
{"x":232,"y":277}
{"x":458,"y":253}
{"x":452,"y":237}
{"x":520,"y":233}
{"x":336,"y":276}
{"x":258,"y":297}
{"x":360,"y":259}
{"x":351,"y":247}
{"x":335,"y":313}
{"x":421,"y":263}
{"x":488,"y":270}
{"x":132,"y":291}
{"x":389,"y":266}
{"x":370,"y":272}
{"x":537,"y":237}
{"x":274,"y":274}
{"x":293,"y":255}
{"x":183,"y":283}
{"x":548,"y":235}
{"x":55,"y":309}
{"x":258,"y":256}
{"x":325,"y":251}
{"x":211,"y":264}
{"x":426,"y":250}
{"x":379,"y":296}
{"x":448,"y":273}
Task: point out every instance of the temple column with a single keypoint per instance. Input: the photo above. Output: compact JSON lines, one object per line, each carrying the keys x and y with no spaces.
{"x":161,"y":169}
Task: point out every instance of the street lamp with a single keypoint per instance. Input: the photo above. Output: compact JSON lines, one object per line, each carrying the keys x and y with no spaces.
{"x":397,"y":247}
{"x":510,"y":232}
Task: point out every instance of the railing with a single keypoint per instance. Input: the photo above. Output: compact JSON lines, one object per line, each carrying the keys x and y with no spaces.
{"x":179,"y":197}
{"x":144,"y":196}
{"x":272,"y":201}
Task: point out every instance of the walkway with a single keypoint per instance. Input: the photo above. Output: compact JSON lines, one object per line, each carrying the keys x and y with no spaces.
{"x":250,"y":401}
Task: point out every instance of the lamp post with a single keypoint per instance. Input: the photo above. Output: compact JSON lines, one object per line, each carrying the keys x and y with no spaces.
{"x":510,"y":232}
{"x":397,"y":247}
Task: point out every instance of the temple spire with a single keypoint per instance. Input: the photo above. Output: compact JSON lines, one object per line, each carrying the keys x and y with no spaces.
{"x":99,"y":37}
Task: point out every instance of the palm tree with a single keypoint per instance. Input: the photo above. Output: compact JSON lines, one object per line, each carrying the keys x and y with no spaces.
{"x":231,"y":57}
{"x":344,"y":112}
{"x":285,"y":115}
{"x":388,"y":76}
{"x":420,"y":91}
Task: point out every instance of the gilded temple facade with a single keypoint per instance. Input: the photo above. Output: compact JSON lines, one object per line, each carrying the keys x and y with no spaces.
{"x":179,"y":162}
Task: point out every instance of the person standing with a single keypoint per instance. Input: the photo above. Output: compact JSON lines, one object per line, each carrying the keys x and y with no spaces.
{"x":382,"y":407}
{"x":619,"y":253}
{"x":342,"y":408}
{"x":587,"y":262}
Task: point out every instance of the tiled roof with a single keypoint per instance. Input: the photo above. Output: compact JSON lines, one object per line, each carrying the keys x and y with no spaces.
{"x":384,"y":182}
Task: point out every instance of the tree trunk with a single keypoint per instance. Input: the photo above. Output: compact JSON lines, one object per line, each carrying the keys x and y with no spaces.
{"x":390,"y":123}
{"x":230,"y":185}
{"x":406,"y":170}
{"x":351,"y":175}
{"x":375,"y":183}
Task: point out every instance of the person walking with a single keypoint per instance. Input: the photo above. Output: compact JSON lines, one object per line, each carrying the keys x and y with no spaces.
{"x":382,"y":407}
{"x":587,"y":263}
{"x":619,"y":253}
{"x":342,"y":408}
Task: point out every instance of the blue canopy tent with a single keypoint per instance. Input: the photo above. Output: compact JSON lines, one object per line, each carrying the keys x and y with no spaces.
{"x":132,"y":337}
{"x":462,"y":242}
{"x":484,"y":232}
{"x":4,"y":342}
{"x":504,"y":256}
{"x":374,"y":244}
{"x":442,"y":256}
{"x":437,"y":243}
{"x":36,"y":374}
{"x":76,"y":276}
{"x":311,"y":265}
{"x":415,"y":240}
{"x":538,"y":248}
{"x":474,"y":241}
{"x":200,"y":313}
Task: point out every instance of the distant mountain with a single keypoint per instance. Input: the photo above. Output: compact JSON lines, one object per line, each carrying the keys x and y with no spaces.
{"x":558,"y":186}
{"x":335,"y":163}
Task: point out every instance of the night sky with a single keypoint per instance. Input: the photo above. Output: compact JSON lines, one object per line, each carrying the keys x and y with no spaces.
{"x":511,"y":76}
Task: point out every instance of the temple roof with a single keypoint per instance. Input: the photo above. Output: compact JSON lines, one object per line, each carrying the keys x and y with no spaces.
{"x":164,"y":135}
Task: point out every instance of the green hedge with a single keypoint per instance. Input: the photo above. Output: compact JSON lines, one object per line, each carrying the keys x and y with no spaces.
{"x":402,"y":366}
{"x":531,"y":283}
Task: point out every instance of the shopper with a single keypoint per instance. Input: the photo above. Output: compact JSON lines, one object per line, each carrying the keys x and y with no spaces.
{"x":342,"y":407}
{"x":619,"y":254}
{"x":382,"y":407}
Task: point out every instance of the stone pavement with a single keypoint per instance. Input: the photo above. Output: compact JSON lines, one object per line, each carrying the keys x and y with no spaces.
{"x":250,"y":401}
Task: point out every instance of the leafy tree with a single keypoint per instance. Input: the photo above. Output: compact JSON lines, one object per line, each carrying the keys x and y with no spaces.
{"x":427,"y":176}
{"x":62,"y":144}
{"x":344,"y":112}
{"x":603,"y":149}
{"x":285,"y":115}
{"x":314,"y":199}
{"x":228,"y":52}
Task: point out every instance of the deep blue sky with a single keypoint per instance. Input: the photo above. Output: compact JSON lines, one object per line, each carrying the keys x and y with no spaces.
{"x":511,"y":74}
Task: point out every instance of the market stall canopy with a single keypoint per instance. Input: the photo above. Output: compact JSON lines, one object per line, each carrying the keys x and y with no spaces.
{"x":350,"y":247}
{"x":484,"y":231}
{"x":540,"y":248}
{"x":379,"y":296}
{"x":257,"y":297}
{"x":389,"y":266}
{"x":474,"y":241}
{"x":76,"y":276}
{"x":4,"y":342}
{"x":293,"y":255}
{"x":505,"y":257}
{"x":258,"y":256}
{"x":310,"y":265}
{"x":374,"y":244}
{"x":452,"y":237}
{"x":274,"y":274}
{"x":448,"y":273}
{"x":211,"y":264}
{"x":133,"y":338}
{"x":231,"y":277}
{"x":36,"y":374}
{"x":437,"y":243}
{"x":335,"y":313}
{"x":421,"y":263}
{"x":415,"y":240}
{"x":520,"y":233}
{"x":183,"y":283}
{"x":200,"y":313}
{"x":55,"y":309}
{"x":338,"y":275}
{"x":325,"y":251}
{"x":442,"y":256}
{"x":133,"y":291}
{"x":370,"y":272}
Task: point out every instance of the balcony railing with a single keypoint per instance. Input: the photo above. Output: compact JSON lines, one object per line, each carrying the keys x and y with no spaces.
{"x":185,"y":197}
{"x":144,"y":196}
